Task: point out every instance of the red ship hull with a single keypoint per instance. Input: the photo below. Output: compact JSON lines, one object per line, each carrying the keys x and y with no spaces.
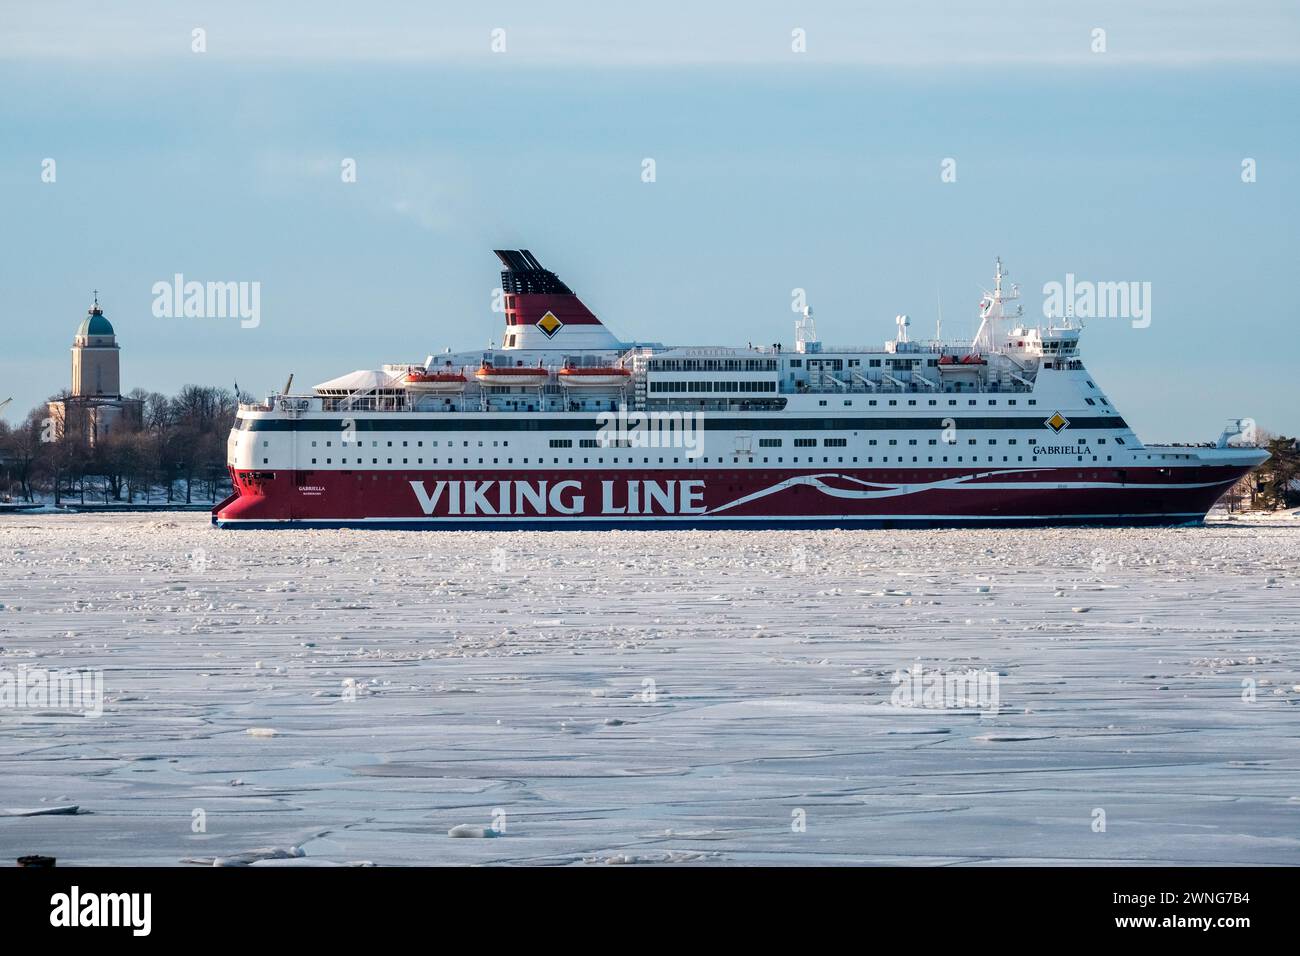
{"x":724,"y":498}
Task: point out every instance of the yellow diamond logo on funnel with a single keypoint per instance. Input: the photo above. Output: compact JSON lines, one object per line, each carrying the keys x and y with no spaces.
{"x":1057,"y":422}
{"x":549,"y":324}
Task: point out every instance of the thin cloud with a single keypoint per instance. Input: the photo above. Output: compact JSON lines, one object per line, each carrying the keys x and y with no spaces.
{"x":927,"y":34}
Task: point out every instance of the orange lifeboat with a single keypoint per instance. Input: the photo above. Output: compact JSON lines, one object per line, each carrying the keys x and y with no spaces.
{"x":594,"y":376}
{"x":427,"y":380}
{"x":532,"y":376}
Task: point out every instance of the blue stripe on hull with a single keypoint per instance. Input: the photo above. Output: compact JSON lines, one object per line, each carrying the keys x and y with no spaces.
{"x":734,"y":524}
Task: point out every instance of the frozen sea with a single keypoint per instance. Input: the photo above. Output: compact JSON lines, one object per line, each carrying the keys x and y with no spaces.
{"x":594,"y":698}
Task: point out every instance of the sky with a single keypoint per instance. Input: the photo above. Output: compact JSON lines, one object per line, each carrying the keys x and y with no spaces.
{"x":774,"y":170}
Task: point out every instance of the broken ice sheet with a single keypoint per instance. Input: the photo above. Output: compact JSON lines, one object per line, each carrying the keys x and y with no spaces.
{"x":652,"y":698}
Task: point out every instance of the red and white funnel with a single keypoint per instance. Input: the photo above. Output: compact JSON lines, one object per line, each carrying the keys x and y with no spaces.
{"x":542,"y":312}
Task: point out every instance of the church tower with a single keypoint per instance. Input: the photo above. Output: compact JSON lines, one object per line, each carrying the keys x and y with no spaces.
{"x":95,"y":357}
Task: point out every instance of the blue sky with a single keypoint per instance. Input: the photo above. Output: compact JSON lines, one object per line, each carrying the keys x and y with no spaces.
{"x":775,"y":170}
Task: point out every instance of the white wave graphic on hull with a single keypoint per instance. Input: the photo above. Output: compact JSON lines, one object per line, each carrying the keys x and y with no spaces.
{"x":873,"y":489}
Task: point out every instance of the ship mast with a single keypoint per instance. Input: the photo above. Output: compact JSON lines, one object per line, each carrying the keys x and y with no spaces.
{"x":992,"y":311}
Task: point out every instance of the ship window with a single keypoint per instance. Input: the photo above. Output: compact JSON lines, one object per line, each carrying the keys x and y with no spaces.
{"x":1090,"y":401}
{"x":822,"y":402}
{"x":1033,"y":401}
{"x":1118,"y":440}
{"x":313,"y":461}
{"x":329,"y":461}
{"x":952,"y":401}
{"x":1011,"y":401}
{"x":313,"y":444}
{"x":872,"y":402}
{"x":911,"y":401}
{"x":933,"y":402}
{"x":893,"y":402}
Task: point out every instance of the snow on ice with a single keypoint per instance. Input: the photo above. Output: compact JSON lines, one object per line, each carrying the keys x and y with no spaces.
{"x":686,"y":698}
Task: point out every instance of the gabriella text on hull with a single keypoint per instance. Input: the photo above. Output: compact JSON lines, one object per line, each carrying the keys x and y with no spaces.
{"x":565,"y":425}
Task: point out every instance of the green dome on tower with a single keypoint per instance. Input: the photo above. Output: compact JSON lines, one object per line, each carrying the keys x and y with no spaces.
{"x":94,"y":323}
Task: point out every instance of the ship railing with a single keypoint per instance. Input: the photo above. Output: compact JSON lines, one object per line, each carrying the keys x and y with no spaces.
{"x":387,"y":401}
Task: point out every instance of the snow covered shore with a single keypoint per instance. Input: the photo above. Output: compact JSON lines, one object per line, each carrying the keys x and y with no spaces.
{"x":641,"y":697}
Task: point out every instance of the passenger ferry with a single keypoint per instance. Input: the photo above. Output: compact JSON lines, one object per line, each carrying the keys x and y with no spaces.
{"x":565,"y":425}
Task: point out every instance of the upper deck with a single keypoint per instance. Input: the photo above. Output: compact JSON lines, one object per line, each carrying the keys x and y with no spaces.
{"x":556,"y":357}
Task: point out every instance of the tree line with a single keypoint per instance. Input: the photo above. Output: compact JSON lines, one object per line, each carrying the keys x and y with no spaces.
{"x":177,"y":453}
{"x":1272,"y":485}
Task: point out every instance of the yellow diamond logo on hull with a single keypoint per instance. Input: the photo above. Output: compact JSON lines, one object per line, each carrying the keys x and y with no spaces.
{"x":549,"y":324}
{"x":1057,"y":422}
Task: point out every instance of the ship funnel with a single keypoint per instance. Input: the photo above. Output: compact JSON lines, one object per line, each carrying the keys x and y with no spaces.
{"x":542,"y":312}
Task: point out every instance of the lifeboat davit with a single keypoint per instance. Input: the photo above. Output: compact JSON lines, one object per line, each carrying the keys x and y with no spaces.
{"x":594,"y":376}
{"x":528,"y":376}
{"x":427,"y":380}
